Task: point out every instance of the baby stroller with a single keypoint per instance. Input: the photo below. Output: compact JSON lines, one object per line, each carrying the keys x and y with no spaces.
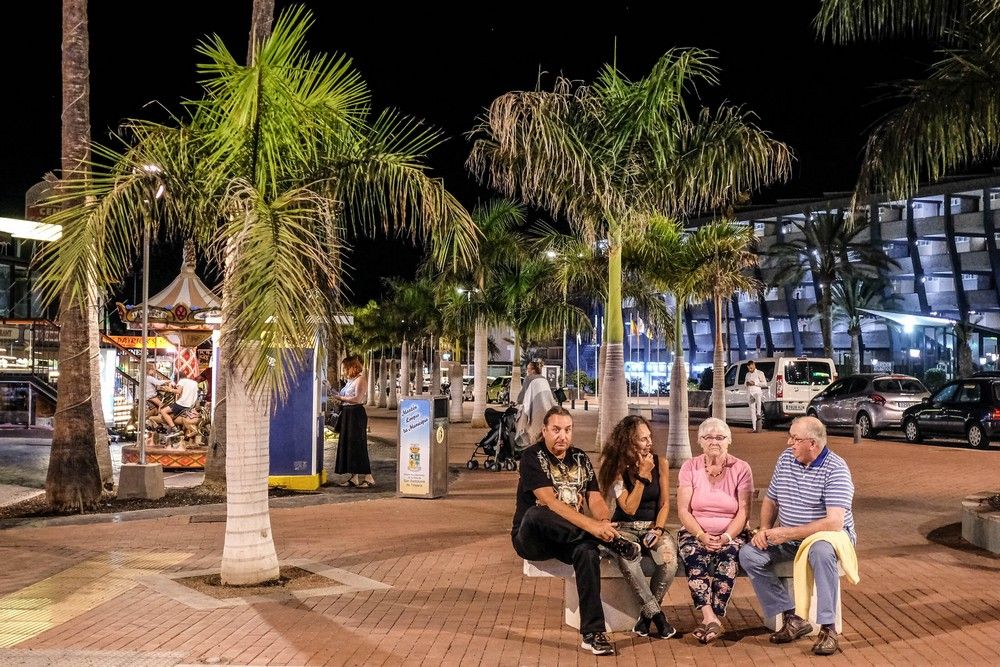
{"x":497,"y":446}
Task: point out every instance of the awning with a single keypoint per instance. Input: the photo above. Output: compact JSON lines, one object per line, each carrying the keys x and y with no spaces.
{"x":910,"y":320}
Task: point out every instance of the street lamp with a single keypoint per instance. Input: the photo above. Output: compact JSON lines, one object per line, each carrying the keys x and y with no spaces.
{"x":468,"y":296}
{"x":143,"y":480}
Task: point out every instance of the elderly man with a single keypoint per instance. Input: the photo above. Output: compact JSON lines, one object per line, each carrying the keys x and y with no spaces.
{"x":810,"y":492}
{"x":556,"y":479}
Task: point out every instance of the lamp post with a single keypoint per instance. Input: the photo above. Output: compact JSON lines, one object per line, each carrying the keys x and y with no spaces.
{"x":144,"y":480}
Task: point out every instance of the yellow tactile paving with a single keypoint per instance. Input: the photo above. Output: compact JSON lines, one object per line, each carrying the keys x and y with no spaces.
{"x":45,"y":604}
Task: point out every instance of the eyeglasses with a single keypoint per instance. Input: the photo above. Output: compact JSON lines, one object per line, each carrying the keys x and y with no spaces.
{"x":717,"y":438}
{"x":797,"y":440}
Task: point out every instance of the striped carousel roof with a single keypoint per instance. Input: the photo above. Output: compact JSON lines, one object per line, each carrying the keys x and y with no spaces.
{"x":186,"y":288}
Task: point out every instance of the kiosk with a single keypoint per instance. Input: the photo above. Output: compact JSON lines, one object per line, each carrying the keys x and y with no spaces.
{"x":296,"y":437}
{"x":423,"y":447}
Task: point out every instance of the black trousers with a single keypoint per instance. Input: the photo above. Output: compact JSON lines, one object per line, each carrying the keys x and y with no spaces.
{"x":543,"y":534}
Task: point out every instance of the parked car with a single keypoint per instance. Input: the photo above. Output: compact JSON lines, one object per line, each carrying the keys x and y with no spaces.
{"x":498,"y":391}
{"x":873,"y":401}
{"x":791,"y":384}
{"x":968,"y":408}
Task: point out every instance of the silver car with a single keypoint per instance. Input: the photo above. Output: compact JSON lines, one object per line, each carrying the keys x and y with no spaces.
{"x":873,"y":401}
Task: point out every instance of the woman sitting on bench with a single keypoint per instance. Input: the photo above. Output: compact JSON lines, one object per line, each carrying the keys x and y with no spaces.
{"x":713,"y":505}
{"x":639,"y":482}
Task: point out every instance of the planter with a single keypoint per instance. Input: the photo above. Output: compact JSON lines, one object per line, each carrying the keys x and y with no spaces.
{"x":980,"y":522}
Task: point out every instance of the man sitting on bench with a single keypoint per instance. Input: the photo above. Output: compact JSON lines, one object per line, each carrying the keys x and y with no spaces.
{"x":556,"y":479}
{"x":809,"y":499}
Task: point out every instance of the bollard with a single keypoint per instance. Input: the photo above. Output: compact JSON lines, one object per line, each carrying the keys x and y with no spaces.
{"x":857,"y":434}
{"x":572,"y":404}
{"x":585,"y":407}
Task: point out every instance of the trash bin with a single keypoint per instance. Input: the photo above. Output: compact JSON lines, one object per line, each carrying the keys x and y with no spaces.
{"x":423,"y":447}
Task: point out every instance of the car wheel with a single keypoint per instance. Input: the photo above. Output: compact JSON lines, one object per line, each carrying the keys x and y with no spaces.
{"x":865,"y":424}
{"x":976,"y":437}
{"x":912,"y":430}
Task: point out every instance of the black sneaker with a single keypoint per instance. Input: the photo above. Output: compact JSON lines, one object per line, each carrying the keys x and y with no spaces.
{"x":641,"y":627}
{"x":597,"y":643}
{"x":625,"y":548}
{"x":663,"y":629}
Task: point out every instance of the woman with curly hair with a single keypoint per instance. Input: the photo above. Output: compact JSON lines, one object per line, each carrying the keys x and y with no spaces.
{"x":639,"y":482}
{"x":713,"y":505}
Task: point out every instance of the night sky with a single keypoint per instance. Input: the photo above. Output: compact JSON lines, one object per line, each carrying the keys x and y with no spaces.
{"x":445,"y":65}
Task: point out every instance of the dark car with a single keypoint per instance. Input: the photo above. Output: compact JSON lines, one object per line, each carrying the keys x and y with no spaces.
{"x":873,"y":401}
{"x":967,"y":408}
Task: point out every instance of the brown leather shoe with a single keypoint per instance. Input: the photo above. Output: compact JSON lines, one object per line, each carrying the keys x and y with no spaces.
{"x":826,"y":643}
{"x":793,"y":628}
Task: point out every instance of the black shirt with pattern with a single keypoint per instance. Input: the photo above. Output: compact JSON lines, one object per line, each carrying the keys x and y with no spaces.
{"x":570,"y":478}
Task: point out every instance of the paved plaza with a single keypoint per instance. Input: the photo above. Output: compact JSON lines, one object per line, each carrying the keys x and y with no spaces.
{"x":436,"y":582}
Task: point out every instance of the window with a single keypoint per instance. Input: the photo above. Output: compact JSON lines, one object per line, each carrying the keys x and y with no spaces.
{"x":808,"y":372}
{"x":731,"y":376}
{"x":970,"y":393}
{"x":946,"y":393}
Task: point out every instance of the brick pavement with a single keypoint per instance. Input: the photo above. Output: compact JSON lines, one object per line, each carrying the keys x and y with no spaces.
{"x":456,"y":594}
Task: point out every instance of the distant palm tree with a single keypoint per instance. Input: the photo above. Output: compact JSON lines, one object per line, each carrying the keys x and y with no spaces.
{"x":850,"y":298}
{"x":723,"y":253}
{"x":832,"y":247}
{"x":609,"y":155}
{"x":948,"y":120}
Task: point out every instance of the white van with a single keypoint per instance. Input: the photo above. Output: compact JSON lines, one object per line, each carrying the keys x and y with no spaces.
{"x":791,"y":384}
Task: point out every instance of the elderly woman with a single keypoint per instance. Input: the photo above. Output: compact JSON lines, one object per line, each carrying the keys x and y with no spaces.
{"x":639,"y":482}
{"x":713,"y":505}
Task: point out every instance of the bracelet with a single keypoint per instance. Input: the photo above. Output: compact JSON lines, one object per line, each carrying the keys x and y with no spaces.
{"x":698,"y":536}
{"x":728,"y":537}
{"x":647,"y":482}
{"x":659,"y":528}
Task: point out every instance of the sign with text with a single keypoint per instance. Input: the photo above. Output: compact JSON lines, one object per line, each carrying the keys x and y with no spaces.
{"x":415,"y":432}
{"x":135,"y":342}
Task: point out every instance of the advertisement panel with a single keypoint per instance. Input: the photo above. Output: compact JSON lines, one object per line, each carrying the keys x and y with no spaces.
{"x":415,"y":431}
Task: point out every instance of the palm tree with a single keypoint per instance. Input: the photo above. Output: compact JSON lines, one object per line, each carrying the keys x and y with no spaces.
{"x":945,"y":121}
{"x":608,"y":155}
{"x":831,"y":247}
{"x":284,"y":154}
{"x":850,"y":298}
{"x":723,"y":253}
{"x":74,"y":478}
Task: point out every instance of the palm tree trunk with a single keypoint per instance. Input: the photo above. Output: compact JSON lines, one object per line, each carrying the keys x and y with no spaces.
{"x":435,"y":366}
{"x":455,"y":412}
{"x":404,"y":370}
{"x":372,"y":381}
{"x":855,"y":351}
{"x":479,"y":382}
{"x":383,"y":382}
{"x":826,"y":320}
{"x":215,"y":456}
{"x":392,"y":401}
{"x":248,"y":556}
{"x":515,"y":369}
{"x":718,"y":364}
{"x":102,"y":444}
{"x":678,"y":437}
{"x":73,"y":481}
{"x":614,"y":404}
{"x":418,"y":384}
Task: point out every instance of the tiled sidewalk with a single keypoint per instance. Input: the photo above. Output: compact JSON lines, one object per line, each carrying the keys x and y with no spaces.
{"x":456,"y":594}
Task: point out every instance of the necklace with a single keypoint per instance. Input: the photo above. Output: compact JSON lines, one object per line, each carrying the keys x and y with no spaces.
{"x":713,"y":475}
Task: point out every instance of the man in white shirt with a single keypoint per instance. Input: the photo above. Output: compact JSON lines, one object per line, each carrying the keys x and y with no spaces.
{"x":755,"y":384}
{"x":182,"y":408}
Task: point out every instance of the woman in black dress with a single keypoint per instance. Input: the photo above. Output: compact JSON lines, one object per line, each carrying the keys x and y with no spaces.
{"x":352,"y":449}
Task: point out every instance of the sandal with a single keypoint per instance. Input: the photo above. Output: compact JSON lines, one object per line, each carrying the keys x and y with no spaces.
{"x":365,"y":485}
{"x":346,"y":484}
{"x":699,"y":633}
{"x":712,"y":632}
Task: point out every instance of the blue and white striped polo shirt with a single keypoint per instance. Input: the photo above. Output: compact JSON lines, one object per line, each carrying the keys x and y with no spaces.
{"x":803,"y":493}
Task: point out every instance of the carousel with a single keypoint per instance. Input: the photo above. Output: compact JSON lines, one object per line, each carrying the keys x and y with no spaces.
{"x":186,"y":313}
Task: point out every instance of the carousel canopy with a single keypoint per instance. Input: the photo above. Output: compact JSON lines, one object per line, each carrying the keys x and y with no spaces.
{"x":185,"y":304}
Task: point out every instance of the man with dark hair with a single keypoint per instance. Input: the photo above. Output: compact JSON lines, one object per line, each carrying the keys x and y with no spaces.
{"x":556,"y":481}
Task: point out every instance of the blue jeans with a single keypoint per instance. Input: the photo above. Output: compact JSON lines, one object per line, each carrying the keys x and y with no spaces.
{"x":771,"y":592}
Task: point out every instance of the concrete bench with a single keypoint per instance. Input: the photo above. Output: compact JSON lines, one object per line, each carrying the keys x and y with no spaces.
{"x":621,"y":607}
